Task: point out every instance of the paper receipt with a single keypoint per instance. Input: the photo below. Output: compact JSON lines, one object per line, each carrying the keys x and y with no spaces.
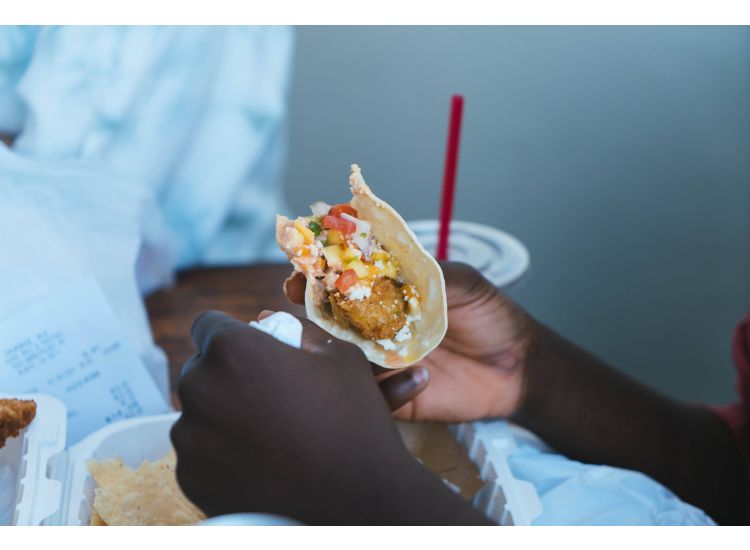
{"x":71,"y":345}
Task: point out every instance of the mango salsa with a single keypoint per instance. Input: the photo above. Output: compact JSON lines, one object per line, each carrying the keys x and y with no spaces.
{"x":362,"y":271}
{"x":351,"y":254}
{"x":389,"y":270}
{"x":333,"y":256}
{"x":334,"y":237}
{"x":307,"y":234}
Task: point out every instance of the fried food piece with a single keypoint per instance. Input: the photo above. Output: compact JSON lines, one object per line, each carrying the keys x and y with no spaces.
{"x":15,"y":415}
{"x":379,"y":316}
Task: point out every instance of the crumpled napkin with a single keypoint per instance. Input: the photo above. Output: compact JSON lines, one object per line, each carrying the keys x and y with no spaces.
{"x":283,"y":326}
{"x":573,"y":493}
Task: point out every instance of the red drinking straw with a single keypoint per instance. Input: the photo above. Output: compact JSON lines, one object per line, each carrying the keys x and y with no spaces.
{"x":449,"y":175}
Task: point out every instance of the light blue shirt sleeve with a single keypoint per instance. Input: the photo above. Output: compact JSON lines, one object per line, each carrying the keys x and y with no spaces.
{"x":196,"y":116}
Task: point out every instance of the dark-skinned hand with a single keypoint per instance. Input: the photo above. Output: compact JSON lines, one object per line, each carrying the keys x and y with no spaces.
{"x":303,"y":433}
{"x":478,"y":370}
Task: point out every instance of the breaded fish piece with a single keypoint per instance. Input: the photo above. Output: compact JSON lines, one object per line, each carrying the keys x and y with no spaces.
{"x":379,"y":316}
{"x":15,"y":415}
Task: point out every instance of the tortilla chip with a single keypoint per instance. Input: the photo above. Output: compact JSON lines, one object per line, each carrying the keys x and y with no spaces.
{"x":96,"y":519}
{"x":148,"y":495}
{"x":106,"y":472}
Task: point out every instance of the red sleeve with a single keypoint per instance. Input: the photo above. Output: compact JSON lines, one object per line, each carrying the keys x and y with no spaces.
{"x":737,"y":415}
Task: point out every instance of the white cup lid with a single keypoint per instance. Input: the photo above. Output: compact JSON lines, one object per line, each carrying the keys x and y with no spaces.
{"x":499,"y":256}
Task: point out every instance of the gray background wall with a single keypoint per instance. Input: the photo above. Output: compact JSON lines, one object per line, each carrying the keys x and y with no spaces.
{"x":620,"y":156}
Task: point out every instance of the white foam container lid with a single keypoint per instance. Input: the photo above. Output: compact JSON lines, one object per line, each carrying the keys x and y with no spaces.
{"x":51,"y":485}
{"x":503,"y":498}
{"x":27,"y":494}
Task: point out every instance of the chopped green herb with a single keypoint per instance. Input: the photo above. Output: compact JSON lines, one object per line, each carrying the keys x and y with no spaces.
{"x":363,"y":235}
{"x":315,"y":228}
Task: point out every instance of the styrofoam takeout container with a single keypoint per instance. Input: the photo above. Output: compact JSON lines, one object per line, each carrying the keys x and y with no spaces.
{"x":27,"y":495}
{"x":41,"y":483}
{"x":51,"y":485}
{"x":503,"y":498}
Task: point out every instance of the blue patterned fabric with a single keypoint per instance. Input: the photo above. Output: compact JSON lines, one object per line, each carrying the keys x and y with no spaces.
{"x":194,"y":116}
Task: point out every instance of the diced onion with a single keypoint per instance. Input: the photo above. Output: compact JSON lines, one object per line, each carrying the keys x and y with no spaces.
{"x":361,"y":236}
{"x":319,"y":208}
{"x":362,"y":225}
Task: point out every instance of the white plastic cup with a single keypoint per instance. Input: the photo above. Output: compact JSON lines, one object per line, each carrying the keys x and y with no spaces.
{"x":499,"y":256}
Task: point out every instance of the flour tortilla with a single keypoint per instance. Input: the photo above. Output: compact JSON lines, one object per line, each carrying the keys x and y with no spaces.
{"x":418,"y":267}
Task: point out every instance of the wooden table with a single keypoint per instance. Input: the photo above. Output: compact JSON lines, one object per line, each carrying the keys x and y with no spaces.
{"x":245,"y":291}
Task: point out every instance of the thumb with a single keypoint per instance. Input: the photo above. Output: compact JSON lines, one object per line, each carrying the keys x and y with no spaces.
{"x":403,"y":386}
{"x":294,"y":288}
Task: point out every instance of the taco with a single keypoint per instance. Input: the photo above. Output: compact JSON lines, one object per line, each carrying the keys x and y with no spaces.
{"x":369,"y":280}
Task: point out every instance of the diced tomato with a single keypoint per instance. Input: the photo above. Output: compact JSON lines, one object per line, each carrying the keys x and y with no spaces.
{"x":338,"y":209}
{"x":346,"y":280}
{"x":340,"y":224}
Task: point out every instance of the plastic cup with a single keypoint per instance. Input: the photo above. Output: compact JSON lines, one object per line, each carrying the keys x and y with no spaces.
{"x":500,"y":257}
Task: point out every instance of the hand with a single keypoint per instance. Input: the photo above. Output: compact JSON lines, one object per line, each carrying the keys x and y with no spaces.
{"x":478,"y":371}
{"x":300,"y":433}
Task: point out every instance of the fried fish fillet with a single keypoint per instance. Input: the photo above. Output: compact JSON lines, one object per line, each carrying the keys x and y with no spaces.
{"x":379,"y":316}
{"x":15,"y":415}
